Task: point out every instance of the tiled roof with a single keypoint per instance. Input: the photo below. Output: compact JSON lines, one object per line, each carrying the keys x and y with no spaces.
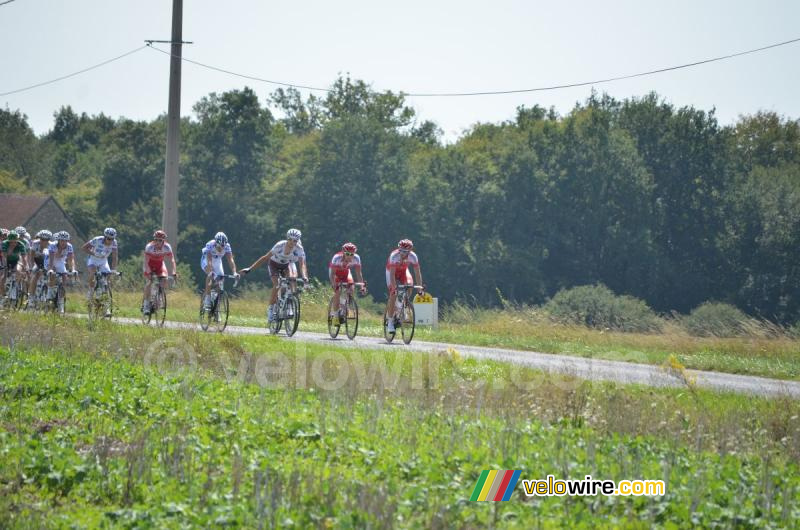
{"x":16,"y":209}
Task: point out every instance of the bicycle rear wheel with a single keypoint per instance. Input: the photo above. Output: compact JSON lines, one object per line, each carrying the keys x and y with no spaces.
{"x":333,"y":320}
{"x":407,"y":322}
{"x":221,"y":312}
{"x":293,"y":309}
{"x":351,"y":322}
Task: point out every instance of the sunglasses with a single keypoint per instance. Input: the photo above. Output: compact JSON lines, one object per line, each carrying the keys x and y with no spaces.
{"x":348,"y":253}
{"x":405,"y":251}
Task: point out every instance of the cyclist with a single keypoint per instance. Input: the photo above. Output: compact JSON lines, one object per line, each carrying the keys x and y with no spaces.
{"x":282,"y":260}
{"x":339,"y":272}
{"x":58,"y":256}
{"x":23,"y":235}
{"x":13,"y":251}
{"x":38,"y":255}
{"x":211,"y":263}
{"x":153,"y":263}
{"x":397,"y":272}
{"x":99,"y":249}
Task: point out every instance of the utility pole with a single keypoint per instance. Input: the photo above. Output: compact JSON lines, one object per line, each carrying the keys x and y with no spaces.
{"x":169,"y":216}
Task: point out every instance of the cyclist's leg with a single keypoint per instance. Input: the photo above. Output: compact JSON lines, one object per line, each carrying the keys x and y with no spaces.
{"x":91,"y":269}
{"x":392,"y":296}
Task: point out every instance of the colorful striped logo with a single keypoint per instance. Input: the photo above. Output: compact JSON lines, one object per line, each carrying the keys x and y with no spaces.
{"x":495,"y":485}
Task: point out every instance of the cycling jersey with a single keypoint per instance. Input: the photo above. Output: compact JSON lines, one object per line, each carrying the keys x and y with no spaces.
{"x":39,"y":252}
{"x":99,"y":248}
{"x":340,"y":269}
{"x":279,"y":255}
{"x":399,"y":263}
{"x":12,"y":257}
{"x":58,"y":257}
{"x":155,"y":257}
{"x":210,"y":250}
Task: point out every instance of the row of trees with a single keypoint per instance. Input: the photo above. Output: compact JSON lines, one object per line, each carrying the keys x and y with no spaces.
{"x":655,"y":201}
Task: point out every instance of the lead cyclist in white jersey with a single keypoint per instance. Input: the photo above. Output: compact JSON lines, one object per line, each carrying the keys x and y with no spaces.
{"x":282,"y":259}
{"x":99,"y":249}
{"x":211,"y":262}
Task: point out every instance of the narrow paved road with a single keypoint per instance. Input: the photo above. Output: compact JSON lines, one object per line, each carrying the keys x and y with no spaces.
{"x":582,"y":367}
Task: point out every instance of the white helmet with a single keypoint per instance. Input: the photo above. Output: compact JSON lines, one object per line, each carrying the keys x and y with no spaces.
{"x":21,"y":232}
{"x":294,"y":234}
{"x":44,"y":234}
{"x":62,"y":236}
{"x":221,"y":239}
{"x":110,"y":232}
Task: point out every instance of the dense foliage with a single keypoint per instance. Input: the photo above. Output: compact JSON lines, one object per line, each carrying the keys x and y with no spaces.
{"x":653,"y":201}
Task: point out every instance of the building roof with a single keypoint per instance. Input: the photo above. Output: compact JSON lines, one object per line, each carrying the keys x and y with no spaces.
{"x":16,"y":210}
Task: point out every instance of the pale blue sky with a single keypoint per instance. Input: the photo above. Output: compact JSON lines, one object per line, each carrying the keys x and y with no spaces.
{"x":414,"y":46}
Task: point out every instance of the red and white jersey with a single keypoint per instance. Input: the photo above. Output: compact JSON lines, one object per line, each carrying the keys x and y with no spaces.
{"x":399,"y":262}
{"x":155,"y":254}
{"x":340,"y":268}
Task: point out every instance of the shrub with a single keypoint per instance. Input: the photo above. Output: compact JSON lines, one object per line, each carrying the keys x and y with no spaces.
{"x":596,"y":306}
{"x":714,"y":319}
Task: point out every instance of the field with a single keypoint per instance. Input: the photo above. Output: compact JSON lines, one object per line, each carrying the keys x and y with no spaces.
{"x":135,"y":427}
{"x":766,"y":352}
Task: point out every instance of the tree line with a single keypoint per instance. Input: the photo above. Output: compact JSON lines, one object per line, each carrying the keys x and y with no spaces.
{"x":656,"y":201}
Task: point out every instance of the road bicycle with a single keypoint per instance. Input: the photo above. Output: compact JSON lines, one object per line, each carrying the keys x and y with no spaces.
{"x":38,"y":300}
{"x":101,"y":301}
{"x":217,"y":312}
{"x":347,"y":314}
{"x":403,"y":314}
{"x":157,"y":307}
{"x":56,"y":304}
{"x":287,"y":307}
{"x":15,"y":291}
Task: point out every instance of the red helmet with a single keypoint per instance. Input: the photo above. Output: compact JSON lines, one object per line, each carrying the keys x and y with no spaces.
{"x":405,"y":244}
{"x":350,"y":248}
{"x":159,"y":234}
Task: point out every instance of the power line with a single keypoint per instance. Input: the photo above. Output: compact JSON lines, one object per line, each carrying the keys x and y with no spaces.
{"x":6,"y":2}
{"x":98,"y":65}
{"x":500,"y":92}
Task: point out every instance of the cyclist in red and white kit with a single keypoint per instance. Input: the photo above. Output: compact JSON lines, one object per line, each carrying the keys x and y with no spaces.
{"x":339,"y":272}
{"x":153,"y":263}
{"x":397,"y":272}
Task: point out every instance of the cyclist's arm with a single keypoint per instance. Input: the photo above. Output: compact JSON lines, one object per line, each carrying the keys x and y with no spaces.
{"x":87,"y":247}
{"x":71,"y":261}
{"x":144,"y":262}
{"x":232,"y":263}
{"x":331,"y":276}
{"x":174,"y":264}
{"x":359,"y":276}
{"x":418,"y":273}
{"x":303,"y":267}
{"x":260,"y":261}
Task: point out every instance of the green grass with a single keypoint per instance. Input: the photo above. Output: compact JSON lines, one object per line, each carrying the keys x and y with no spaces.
{"x":108,"y":428}
{"x":766,"y":352}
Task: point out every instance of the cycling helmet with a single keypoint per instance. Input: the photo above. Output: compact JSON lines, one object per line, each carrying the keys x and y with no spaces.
{"x":62,"y":236}
{"x":110,"y":232}
{"x":294,"y":234}
{"x":405,"y":244}
{"x":44,"y":234}
{"x":350,"y":248}
{"x":3,"y":232}
{"x":221,"y":239}
{"x":12,"y":235}
{"x":159,"y":234}
{"x":21,"y":232}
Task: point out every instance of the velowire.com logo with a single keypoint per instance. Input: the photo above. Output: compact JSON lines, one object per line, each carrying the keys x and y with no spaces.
{"x":495,"y":485}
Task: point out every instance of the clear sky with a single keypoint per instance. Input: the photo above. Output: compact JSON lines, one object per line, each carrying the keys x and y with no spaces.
{"x":413,"y":46}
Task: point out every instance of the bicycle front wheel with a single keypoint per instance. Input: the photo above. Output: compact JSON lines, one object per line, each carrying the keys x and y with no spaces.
{"x":161,"y":307}
{"x":61,"y":299}
{"x":205,"y":316}
{"x":147,"y":316}
{"x":407,"y":322}
{"x":292,"y":315}
{"x":221,"y":312}
{"x":333,"y":320}
{"x":351,"y":323}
